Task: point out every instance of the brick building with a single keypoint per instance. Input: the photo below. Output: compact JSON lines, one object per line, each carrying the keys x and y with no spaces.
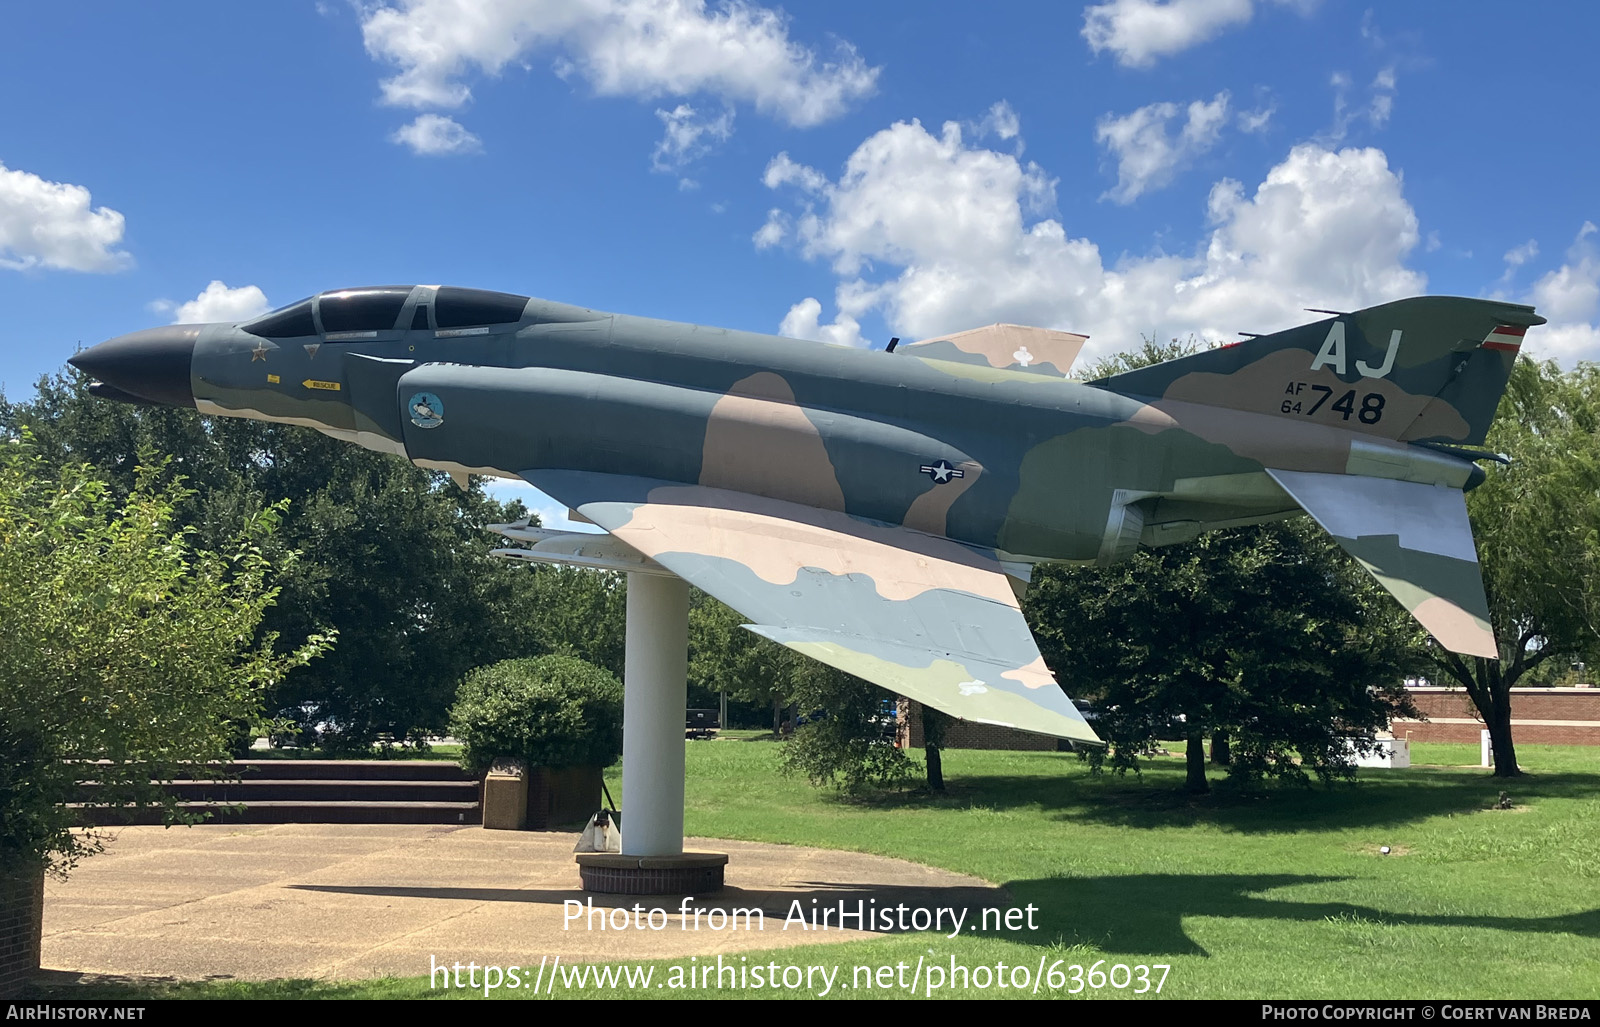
{"x":1539,"y":716}
{"x":964,"y":734}
{"x":21,"y":912}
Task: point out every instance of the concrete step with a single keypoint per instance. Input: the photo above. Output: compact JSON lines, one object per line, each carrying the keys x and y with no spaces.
{"x":290,"y":812}
{"x":254,"y":790}
{"x":311,"y":770}
{"x":339,"y":770}
{"x":312,"y":792}
{"x":352,"y":770}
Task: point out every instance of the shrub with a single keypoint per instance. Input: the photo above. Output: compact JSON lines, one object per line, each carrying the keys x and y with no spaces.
{"x":843,"y":744}
{"x":551,"y":711}
{"x":827,"y":753}
{"x":121,"y":642}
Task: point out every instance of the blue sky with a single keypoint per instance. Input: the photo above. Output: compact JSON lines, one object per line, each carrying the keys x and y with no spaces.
{"x":843,"y":171}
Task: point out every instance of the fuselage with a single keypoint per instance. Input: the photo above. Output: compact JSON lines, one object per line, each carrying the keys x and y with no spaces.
{"x":1034,"y":466}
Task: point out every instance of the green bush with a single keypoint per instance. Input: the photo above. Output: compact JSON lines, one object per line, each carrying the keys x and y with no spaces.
{"x":121,"y":641}
{"x":844,"y":744}
{"x":552,"y":711}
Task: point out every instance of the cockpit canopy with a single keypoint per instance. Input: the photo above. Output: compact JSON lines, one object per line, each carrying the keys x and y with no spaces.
{"x":362,"y":313}
{"x":289,"y":322}
{"x":463,"y":308}
{"x":362,"y":310}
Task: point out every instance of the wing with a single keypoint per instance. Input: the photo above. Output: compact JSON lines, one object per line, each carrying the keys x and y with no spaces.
{"x":922,"y":616}
{"x":1415,"y":539}
{"x":1017,"y":347}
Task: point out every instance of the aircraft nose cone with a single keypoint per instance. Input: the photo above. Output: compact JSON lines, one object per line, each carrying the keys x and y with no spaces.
{"x":152,"y":365}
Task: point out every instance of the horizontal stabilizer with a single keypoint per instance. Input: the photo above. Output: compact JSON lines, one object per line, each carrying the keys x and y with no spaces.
{"x":1013,"y":347}
{"x":1415,"y":539}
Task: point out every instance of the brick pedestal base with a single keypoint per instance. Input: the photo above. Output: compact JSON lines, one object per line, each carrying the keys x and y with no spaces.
{"x":693,"y":873}
{"x":21,"y":924}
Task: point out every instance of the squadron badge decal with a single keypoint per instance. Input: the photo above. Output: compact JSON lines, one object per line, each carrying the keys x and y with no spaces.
{"x":427,"y":410}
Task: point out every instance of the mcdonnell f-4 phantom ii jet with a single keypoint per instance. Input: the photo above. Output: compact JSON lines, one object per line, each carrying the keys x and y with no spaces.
{"x":880,"y":511}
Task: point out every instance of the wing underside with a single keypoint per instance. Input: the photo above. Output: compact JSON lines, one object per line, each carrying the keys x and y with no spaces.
{"x":925,"y":617}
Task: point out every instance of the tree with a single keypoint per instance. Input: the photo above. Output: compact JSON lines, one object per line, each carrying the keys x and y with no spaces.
{"x":1267,"y":638}
{"x":934,"y":725}
{"x":120,"y":642}
{"x":1537,"y":525}
{"x":578,"y":612}
{"x":724,"y":656}
{"x":1267,"y":633}
{"x":394,"y":556}
{"x":843,"y":742}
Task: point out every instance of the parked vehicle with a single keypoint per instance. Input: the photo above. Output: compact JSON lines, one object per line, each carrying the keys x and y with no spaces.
{"x":702,"y":724}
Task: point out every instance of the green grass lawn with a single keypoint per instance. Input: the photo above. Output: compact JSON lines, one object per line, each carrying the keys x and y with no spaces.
{"x":1278,"y":893}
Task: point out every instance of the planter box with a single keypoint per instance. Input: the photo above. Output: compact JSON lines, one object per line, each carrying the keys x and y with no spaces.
{"x":557,"y":798}
{"x":21,"y":929}
{"x":518,"y":798}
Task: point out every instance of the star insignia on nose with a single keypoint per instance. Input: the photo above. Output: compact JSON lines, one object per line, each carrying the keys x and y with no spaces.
{"x":942,"y":471}
{"x":259,"y":353}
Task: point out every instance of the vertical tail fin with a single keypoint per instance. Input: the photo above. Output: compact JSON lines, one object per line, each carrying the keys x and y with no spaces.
{"x":1427,"y":369}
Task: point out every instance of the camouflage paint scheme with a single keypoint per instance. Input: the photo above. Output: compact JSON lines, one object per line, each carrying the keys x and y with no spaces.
{"x":1018,"y":347}
{"x":880,"y":511}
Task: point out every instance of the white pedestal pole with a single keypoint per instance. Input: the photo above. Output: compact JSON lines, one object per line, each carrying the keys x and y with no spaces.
{"x":655,"y":694}
{"x":655,"y":691}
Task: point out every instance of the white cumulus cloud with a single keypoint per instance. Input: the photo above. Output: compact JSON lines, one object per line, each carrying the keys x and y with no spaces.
{"x":1148,"y":152}
{"x":52,"y":225}
{"x":216,"y":303}
{"x":1001,"y":121}
{"x":801,"y":322}
{"x":1514,"y":259}
{"x":1139,"y":32}
{"x":435,"y":135}
{"x":688,"y":136}
{"x":1570,"y":297}
{"x":1382,"y":104}
{"x":1256,"y":120}
{"x":1572,"y":291}
{"x":773,"y":231}
{"x":940,"y":235}
{"x":1375,"y":111}
{"x":1565,"y":342}
{"x":738,"y":52}
{"x":782,"y":170}
{"x":1520,"y":255}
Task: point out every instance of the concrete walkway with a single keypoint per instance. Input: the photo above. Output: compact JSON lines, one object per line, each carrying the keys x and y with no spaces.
{"x":355,"y":901}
